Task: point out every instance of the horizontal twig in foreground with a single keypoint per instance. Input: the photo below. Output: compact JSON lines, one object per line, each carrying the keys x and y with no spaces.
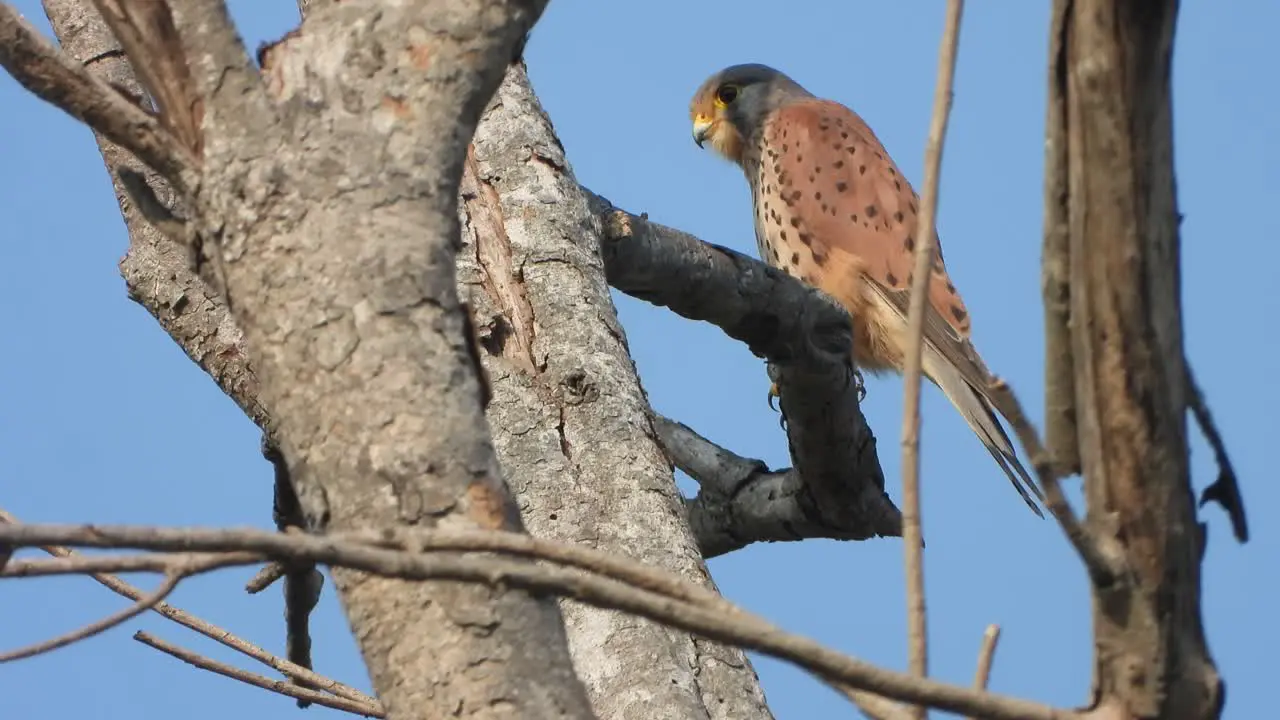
{"x":714,"y":617}
{"x":209,"y":630}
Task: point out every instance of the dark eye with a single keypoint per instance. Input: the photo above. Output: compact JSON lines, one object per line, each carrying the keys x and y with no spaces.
{"x":727,"y":94}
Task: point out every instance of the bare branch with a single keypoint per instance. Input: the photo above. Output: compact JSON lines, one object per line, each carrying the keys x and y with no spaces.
{"x":1060,"y":390}
{"x":207,"y":629}
{"x":146,"y":31}
{"x":1225,"y":490}
{"x":912,"y":540}
{"x":740,"y":500}
{"x":172,"y":576}
{"x":58,"y":79}
{"x":1101,"y":558}
{"x":664,"y":598}
{"x":1129,"y":358}
{"x":876,"y":707}
{"x":986,"y":656}
{"x":370,"y":708}
{"x":804,"y":334}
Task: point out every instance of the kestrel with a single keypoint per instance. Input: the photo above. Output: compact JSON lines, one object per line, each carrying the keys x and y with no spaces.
{"x":832,"y":209}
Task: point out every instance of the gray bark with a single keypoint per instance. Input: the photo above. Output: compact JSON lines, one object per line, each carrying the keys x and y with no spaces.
{"x":333,"y":211}
{"x":709,"y":680}
{"x":571,"y":422}
{"x":806,"y":337}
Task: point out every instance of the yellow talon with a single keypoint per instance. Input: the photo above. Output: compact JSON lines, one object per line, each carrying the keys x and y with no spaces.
{"x":773,"y":393}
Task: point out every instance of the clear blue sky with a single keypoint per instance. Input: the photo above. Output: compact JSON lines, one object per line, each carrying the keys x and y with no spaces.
{"x":103,"y":419}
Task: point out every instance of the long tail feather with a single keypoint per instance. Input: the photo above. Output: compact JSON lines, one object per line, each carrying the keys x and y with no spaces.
{"x":979,"y":414}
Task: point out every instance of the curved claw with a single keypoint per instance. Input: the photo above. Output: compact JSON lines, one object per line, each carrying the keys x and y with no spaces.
{"x":855,"y":376}
{"x":773,"y":393}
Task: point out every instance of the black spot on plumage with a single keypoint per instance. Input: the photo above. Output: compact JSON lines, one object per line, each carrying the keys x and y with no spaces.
{"x":871,"y":211}
{"x":958,"y":313}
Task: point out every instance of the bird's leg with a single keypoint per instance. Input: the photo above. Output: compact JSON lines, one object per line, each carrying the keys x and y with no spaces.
{"x":774,"y":392}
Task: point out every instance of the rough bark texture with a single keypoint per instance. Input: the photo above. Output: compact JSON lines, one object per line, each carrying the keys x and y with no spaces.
{"x":333,"y":211}
{"x":571,"y":421}
{"x":1112,"y":67}
{"x":155,"y":269}
{"x":740,"y":500}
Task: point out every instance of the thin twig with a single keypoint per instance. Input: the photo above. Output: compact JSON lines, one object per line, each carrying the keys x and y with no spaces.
{"x":205,"y":628}
{"x":986,"y":656}
{"x":282,"y":687}
{"x":912,"y":540}
{"x":875,"y":706}
{"x":1100,"y":556}
{"x":1226,"y":489}
{"x":140,"y":606}
{"x":702,"y":612}
{"x":58,"y":79}
{"x":265,"y":577}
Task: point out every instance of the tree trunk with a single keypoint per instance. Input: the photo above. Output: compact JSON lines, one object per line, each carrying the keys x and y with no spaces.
{"x":570,"y":420}
{"x":1111,"y":123}
{"x":572,"y":429}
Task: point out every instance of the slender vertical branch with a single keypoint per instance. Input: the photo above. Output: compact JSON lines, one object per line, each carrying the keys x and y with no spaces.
{"x":925,"y":244}
{"x":986,"y":656}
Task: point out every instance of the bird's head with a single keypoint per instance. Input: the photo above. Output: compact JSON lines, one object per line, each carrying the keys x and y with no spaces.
{"x":731,"y":104}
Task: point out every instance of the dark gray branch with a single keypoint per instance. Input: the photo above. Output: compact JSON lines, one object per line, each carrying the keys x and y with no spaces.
{"x":741,"y":500}
{"x":807,"y":339}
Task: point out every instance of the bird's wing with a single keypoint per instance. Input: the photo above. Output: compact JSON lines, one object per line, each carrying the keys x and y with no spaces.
{"x":842,"y":190}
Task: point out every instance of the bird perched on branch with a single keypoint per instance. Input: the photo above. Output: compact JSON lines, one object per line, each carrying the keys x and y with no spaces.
{"x":832,"y":209}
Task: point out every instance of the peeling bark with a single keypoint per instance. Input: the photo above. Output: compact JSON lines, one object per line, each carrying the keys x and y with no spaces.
{"x":1130,"y":375}
{"x":571,"y":422}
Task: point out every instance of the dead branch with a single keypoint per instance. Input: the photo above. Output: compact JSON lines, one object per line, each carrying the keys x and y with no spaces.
{"x":64,"y":83}
{"x":912,"y":540}
{"x":146,"y":30}
{"x":371,"y":708}
{"x":986,"y":656}
{"x":1060,"y":392}
{"x":1225,"y":490}
{"x":741,"y":501}
{"x":686,"y":606}
{"x":209,"y":630}
{"x":1100,"y":557}
{"x":804,"y":335}
{"x":142,"y":605}
{"x":1110,"y":71}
